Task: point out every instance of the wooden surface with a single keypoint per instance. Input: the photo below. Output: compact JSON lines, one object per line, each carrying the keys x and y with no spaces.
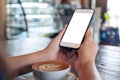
{"x":3,"y":16}
{"x":107,"y":60}
{"x":23,"y":46}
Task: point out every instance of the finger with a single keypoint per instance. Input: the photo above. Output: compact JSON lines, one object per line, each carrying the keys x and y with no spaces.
{"x":89,"y":34}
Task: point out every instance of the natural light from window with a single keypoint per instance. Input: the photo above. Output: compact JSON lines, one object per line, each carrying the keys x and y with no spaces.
{"x":114,"y":12}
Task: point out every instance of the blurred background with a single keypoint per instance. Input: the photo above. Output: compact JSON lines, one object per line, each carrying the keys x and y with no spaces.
{"x":28,"y":26}
{"x":35,"y":18}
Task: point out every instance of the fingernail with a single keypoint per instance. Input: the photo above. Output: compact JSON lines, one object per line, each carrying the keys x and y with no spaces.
{"x":65,"y":25}
{"x":91,"y":29}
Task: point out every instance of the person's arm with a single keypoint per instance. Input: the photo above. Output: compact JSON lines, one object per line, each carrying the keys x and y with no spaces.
{"x":85,"y":64}
{"x":88,"y":71}
{"x":22,"y":64}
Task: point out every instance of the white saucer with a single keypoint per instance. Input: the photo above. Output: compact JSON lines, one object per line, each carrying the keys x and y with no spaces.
{"x":32,"y":78}
{"x":70,"y":78}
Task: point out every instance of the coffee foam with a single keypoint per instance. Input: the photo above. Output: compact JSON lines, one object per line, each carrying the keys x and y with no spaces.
{"x":51,"y":67}
{"x":48,"y":66}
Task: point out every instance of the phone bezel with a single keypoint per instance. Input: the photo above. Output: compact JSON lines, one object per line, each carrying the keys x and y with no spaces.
{"x":73,"y":45}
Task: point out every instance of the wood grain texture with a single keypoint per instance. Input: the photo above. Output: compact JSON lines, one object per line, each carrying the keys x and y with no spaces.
{"x":3,"y":19}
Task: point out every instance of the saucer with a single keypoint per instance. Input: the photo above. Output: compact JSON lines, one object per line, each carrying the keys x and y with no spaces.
{"x":32,"y":78}
{"x":71,"y":77}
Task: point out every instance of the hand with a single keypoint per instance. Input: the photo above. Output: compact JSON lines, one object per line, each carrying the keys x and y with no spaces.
{"x":55,"y":52}
{"x":53,"y":48}
{"x":87,"y":51}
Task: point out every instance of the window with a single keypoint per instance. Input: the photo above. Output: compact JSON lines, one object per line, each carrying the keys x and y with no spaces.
{"x":40,"y":17}
{"x":114,"y":12}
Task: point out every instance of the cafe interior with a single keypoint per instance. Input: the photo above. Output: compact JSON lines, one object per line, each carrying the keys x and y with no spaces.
{"x":27,"y":26}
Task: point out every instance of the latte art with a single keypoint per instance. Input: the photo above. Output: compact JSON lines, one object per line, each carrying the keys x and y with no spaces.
{"x":51,"y":70}
{"x":50,"y":67}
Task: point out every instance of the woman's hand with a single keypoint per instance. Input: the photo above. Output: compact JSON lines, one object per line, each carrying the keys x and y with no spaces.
{"x":52,"y":50}
{"x":55,"y":52}
{"x":87,"y":52}
{"x":88,"y":48}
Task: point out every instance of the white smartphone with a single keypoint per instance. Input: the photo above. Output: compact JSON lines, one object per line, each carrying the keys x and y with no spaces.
{"x":77,"y":28}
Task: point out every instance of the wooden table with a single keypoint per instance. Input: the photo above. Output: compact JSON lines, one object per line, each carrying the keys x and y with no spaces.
{"x":107,"y":60}
{"x":23,"y":46}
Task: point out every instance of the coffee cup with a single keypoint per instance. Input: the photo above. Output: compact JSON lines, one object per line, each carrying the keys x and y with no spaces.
{"x":52,"y":70}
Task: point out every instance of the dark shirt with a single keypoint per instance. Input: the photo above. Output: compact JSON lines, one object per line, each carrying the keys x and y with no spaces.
{"x":3,"y":75}
{"x":3,"y":72}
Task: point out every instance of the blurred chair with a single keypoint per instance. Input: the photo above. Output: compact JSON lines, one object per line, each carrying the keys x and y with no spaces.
{"x":110,"y":36}
{"x":65,"y":11}
{"x":66,"y":19}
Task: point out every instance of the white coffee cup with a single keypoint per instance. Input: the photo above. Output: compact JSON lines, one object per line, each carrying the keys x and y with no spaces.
{"x":52,"y":70}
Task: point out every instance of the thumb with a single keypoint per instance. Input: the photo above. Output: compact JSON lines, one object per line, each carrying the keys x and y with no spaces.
{"x":62,"y":32}
{"x":89,"y":34}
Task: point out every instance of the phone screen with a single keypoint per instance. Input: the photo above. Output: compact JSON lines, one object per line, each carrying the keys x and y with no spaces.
{"x":77,"y":27}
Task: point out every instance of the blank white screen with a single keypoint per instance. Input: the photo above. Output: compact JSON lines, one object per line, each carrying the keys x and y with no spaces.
{"x":77,"y":27}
